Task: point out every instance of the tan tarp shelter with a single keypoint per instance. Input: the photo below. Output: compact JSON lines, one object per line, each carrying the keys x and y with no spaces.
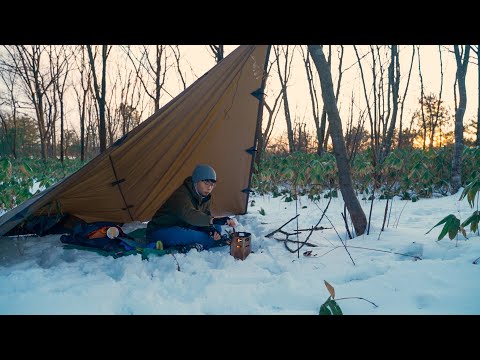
{"x":214,"y":121}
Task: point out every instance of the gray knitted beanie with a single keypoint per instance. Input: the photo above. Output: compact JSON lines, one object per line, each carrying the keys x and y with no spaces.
{"x":203,"y":172}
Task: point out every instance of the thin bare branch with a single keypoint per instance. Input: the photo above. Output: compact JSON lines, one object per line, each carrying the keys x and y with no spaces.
{"x":273,"y":232}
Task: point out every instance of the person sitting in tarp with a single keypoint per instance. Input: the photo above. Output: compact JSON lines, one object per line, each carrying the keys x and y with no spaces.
{"x":185,"y":218}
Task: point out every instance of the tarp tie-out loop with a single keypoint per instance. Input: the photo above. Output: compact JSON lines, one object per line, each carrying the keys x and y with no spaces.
{"x":248,"y":191}
{"x":258,"y":94}
{"x":127,"y":207}
{"x":120,"y":141}
{"x":251,"y":150}
{"x":117,"y":182}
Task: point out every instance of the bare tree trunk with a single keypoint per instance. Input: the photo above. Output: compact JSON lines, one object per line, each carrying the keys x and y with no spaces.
{"x":375,"y":129}
{"x":6,"y":127}
{"x":337,"y":91}
{"x":345,"y":180}
{"x":153,"y":70}
{"x":284,"y":77}
{"x":380,"y":132}
{"x":111,"y":113}
{"x":462,"y":66}
{"x":176,"y":54}
{"x":160,"y":73}
{"x":92,"y":129}
{"x":322,"y":131}
{"x":62,"y":63}
{"x":400,"y":133}
{"x":349,"y":131}
{"x":327,"y":136}
{"x":125,"y":113}
{"x":258,"y":129}
{"x":313,"y":98}
{"x":61,"y":92}
{"x":100,"y":93}
{"x":28,"y":64}
{"x":394,"y":83}
{"x":422,"y":98}
{"x":217,"y":51}
{"x":272,"y":117}
{"x":9,"y":79}
{"x":370,"y":117}
{"x":85,"y":81}
{"x":436,"y":122}
{"x":359,"y":135}
{"x":53,"y":105}
{"x":477,"y":142}
{"x":324,"y":128}
{"x":264,"y":136}
{"x":51,"y":113}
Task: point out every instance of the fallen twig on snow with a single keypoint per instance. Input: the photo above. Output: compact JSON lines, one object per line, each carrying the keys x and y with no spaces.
{"x":280,"y":228}
{"x":344,"y":245}
{"x":346,"y":225}
{"x":324,"y":214}
{"x":356,"y":297}
{"x":297,"y":242}
{"x":178,"y":265}
{"x":314,"y":228}
{"x":310,"y":230}
{"x":386,"y":251}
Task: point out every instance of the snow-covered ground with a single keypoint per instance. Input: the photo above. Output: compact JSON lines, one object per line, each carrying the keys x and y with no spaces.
{"x":399,"y":271}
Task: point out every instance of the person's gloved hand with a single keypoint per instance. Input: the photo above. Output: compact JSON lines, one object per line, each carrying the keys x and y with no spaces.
{"x":221,"y":220}
{"x":215,"y":234}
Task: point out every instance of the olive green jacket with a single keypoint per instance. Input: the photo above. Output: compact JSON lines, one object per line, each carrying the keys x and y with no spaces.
{"x":184,"y":208}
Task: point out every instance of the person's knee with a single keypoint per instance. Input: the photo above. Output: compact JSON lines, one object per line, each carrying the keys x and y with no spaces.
{"x":182,"y":236}
{"x":168,"y":236}
{"x":206,"y":240}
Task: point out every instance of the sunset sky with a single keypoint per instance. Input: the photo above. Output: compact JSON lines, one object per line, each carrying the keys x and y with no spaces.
{"x":201,"y":59}
{"x":198,"y":59}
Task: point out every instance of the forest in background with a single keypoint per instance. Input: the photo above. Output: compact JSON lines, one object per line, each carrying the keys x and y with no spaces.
{"x":66,"y":104}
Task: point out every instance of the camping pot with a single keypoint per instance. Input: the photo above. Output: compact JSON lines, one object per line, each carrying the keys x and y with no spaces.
{"x":240,"y":244}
